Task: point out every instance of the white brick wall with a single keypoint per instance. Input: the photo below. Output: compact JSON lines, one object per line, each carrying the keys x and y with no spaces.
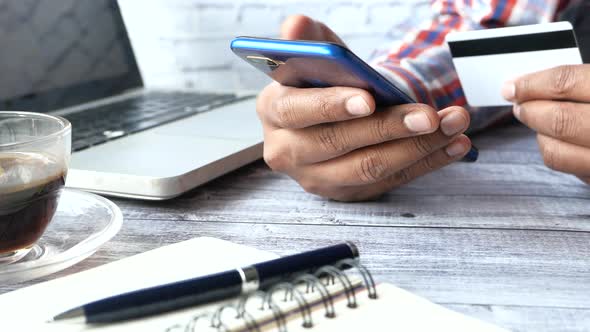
{"x":186,"y":42}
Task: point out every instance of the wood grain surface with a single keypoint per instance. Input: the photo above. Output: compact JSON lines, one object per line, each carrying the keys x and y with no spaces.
{"x":504,"y":239}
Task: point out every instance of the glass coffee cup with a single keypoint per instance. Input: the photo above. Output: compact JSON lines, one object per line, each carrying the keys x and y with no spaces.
{"x":34,"y":158}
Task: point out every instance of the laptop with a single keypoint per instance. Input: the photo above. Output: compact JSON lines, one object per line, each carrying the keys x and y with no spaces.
{"x":74,"y":59}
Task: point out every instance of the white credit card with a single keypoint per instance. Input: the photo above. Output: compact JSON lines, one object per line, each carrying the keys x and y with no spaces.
{"x":485,"y":59}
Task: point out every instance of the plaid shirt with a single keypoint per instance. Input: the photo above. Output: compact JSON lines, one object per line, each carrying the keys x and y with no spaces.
{"x":421,"y":63}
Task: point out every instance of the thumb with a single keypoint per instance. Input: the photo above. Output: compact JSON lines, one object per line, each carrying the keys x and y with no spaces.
{"x":303,"y":27}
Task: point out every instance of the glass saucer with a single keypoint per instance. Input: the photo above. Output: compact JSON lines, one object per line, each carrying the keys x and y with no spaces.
{"x":82,"y":223}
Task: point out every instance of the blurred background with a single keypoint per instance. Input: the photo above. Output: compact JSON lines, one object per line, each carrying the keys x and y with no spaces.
{"x":186,"y":42}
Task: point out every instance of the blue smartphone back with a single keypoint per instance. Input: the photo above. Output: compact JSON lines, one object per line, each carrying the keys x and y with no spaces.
{"x":306,"y":64}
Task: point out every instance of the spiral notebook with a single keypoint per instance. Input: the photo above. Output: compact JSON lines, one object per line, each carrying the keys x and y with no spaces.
{"x":339,"y":302}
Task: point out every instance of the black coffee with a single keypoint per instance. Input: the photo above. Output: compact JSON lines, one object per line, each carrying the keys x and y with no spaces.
{"x":30,"y":186}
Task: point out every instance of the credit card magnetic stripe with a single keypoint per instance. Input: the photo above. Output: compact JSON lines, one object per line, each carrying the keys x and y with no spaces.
{"x":543,"y":41}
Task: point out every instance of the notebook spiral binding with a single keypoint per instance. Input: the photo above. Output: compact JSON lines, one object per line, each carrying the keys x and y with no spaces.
{"x":317,"y":281}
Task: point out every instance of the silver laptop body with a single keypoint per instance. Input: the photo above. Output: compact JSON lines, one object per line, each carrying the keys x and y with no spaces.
{"x":79,"y":64}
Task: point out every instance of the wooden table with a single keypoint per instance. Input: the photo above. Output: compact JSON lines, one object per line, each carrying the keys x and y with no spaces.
{"x":505,"y":239}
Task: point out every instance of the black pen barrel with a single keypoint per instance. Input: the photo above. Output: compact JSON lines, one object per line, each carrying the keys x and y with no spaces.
{"x":273,"y":271}
{"x":165,"y":298}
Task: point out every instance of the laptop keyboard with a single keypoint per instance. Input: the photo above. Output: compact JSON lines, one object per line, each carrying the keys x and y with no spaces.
{"x":108,"y":122}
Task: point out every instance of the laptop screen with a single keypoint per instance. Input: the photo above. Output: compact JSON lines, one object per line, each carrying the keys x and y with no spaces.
{"x":61,"y":53}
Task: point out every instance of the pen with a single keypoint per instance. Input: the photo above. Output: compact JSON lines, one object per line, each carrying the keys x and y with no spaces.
{"x":205,"y":289}
{"x":472,"y":155}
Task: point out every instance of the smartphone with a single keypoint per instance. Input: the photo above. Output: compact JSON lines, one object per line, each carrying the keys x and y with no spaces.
{"x":304,"y":64}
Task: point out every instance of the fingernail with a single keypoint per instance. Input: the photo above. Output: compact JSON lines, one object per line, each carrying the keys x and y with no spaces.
{"x":455,"y":149}
{"x":509,"y":90}
{"x":418,"y":122}
{"x":357,"y":106}
{"x":516,"y":111}
{"x":453,"y":123}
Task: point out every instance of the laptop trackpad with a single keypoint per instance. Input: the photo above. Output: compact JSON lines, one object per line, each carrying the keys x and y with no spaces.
{"x":236,"y":121}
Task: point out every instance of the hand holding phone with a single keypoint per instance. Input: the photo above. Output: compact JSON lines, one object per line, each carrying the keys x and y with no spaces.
{"x":325,"y":133}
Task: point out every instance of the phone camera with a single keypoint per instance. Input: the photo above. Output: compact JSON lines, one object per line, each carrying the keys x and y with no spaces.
{"x":261,"y":60}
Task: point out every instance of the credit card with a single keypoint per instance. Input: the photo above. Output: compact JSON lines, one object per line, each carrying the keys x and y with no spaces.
{"x":485,"y":59}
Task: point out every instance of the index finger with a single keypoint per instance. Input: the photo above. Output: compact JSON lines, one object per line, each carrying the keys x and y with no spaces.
{"x":570,"y":82}
{"x":287,"y":107}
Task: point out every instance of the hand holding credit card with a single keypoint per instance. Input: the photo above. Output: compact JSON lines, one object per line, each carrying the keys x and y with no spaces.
{"x":485,"y":59}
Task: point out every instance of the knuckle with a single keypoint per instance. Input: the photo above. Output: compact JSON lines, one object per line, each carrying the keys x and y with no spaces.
{"x":401,"y":177}
{"x":563,"y":125}
{"x":325,"y":107}
{"x":331,"y":140}
{"x":370,"y":168}
{"x":565,"y":80}
{"x":551,"y":156}
{"x":276,"y":157}
{"x":429,"y":164}
{"x":284,"y":109}
{"x":380,"y":130}
{"x":423,"y":145}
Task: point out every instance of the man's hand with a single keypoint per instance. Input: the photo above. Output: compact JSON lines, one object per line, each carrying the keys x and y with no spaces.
{"x":332,"y":143}
{"x":556,"y":104}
